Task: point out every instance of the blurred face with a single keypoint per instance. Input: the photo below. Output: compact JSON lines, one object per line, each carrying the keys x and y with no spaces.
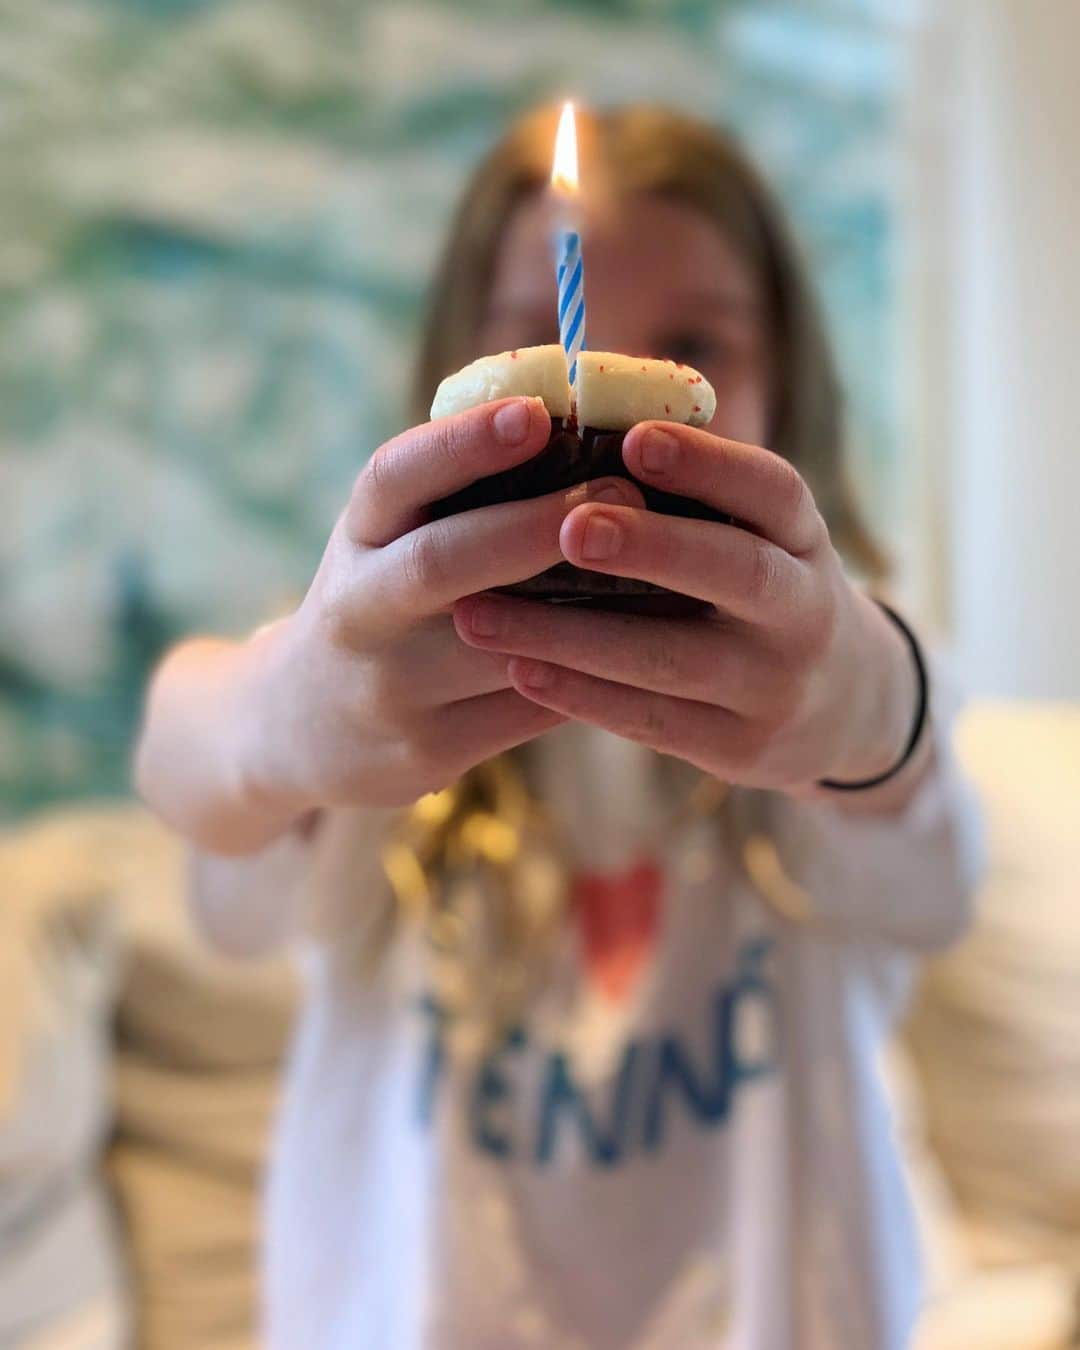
{"x":660,"y":280}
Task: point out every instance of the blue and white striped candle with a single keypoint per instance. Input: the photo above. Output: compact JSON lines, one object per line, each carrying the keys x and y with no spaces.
{"x":571,"y":277}
{"x":569,"y":267}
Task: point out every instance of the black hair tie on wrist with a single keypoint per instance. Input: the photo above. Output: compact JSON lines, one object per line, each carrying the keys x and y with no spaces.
{"x":921,"y":708}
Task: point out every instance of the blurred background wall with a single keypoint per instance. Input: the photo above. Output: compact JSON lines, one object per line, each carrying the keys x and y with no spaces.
{"x":991,"y":295}
{"x":217,"y":222}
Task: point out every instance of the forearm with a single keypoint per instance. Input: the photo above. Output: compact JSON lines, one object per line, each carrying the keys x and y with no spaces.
{"x":902,"y":869}
{"x":322,"y":879}
{"x":192,"y":763}
{"x":251,"y":905}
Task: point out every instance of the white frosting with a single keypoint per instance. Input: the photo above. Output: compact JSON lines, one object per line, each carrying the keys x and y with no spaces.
{"x":536,"y":371}
{"x":613,"y":391}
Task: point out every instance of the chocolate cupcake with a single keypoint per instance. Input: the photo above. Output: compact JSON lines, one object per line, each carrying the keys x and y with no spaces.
{"x":613,"y":393}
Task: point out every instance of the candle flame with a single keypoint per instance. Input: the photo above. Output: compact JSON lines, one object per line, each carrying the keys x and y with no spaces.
{"x":564,"y":168}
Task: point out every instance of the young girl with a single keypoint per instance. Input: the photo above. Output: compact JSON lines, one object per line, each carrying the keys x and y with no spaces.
{"x":599,"y":965}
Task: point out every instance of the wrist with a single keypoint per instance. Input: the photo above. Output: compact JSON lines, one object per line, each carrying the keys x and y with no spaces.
{"x":891,"y":796}
{"x":882,"y":700}
{"x":264,"y":788}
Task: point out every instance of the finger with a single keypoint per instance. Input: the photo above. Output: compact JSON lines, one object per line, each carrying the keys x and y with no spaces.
{"x":430,"y":461}
{"x":425,"y":571}
{"x":691,"y":659}
{"x":703,"y":735}
{"x":476,"y":729}
{"x":739,"y":572}
{"x":757,"y":487}
{"x":433,"y":667}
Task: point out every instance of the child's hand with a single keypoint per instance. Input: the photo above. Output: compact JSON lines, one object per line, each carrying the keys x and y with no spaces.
{"x":794,"y":675}
{"x":366,"y":695}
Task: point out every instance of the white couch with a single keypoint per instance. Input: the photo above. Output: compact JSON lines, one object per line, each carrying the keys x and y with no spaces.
{"x":138,"y":1073}
{"x":995,"y":1041}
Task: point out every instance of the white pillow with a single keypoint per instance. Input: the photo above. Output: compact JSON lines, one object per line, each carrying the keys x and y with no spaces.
{"x":1024,"y":1308}
{"x":200,"y":1040}
{"x":59,"y":956}
{"x":996,"y":1026}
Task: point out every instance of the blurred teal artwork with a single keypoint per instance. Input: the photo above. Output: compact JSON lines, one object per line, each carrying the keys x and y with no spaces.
{"x":218,"y":220}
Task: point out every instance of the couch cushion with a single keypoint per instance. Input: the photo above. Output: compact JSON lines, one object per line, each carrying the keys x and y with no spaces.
{"x":996,"y":1027}
{"x":59,"y":964}
{"x":200,"y":1040}
{"x":115,"y":1015}
{"x":1023,"y":1308}
{"x":194,"y":1249}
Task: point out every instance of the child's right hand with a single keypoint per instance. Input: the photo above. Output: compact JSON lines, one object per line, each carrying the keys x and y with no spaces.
{"x":366,"y":695}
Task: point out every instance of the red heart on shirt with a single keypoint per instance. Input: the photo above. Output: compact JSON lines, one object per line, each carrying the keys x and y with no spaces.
{"x":619,"y":913}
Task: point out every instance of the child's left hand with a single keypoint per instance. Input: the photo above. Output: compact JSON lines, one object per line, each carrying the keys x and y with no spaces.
{"x":794,"y":675}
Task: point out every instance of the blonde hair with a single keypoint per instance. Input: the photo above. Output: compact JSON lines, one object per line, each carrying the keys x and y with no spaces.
{"x":485,"y":823}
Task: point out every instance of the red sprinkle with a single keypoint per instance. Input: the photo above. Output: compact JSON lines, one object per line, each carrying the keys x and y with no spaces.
{"x":697,"y":407}
{"x":601,"y":370}
{"x":667,"y":407}
{"x":671,"y":376}
{"x":513,"y":356}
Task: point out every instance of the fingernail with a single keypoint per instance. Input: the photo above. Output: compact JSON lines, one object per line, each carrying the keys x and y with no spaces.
{"x":616,"y":493}
{"x":658,"y":452}
{"x":484,"y":619}
{"x":603,"y":538}
{"x":512,"y":422}
{"x":535,"y":674}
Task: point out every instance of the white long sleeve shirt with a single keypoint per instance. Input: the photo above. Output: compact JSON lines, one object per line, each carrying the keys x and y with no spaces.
{"x":683,"y":1143}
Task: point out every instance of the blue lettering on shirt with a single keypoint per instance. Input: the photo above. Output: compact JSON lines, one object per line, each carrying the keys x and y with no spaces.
{"x":491,"y":1089}
{"x":560,"y":1098}
{"x":434,"y":1059}
{"x":656,"y":1077}
{"x":703,"y":1095}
